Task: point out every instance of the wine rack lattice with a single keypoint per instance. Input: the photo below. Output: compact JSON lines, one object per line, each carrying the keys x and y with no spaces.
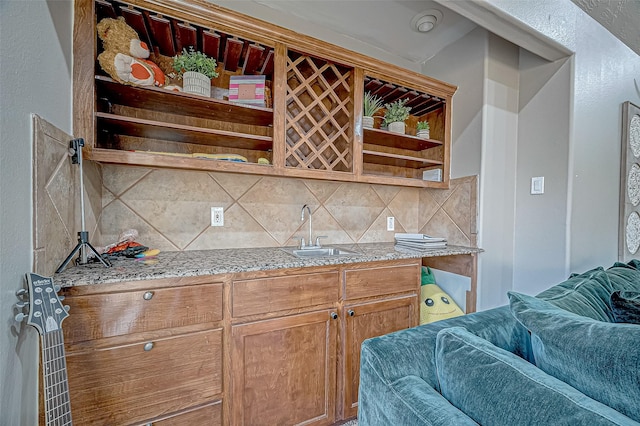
{"x":319,"y":111}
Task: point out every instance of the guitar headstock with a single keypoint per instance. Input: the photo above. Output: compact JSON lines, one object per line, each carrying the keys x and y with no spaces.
{"x":46,"y":312}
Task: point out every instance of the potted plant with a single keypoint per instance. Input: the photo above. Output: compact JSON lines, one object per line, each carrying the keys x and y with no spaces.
{"x":372,"y":104}
{"x":196,"y":70}
{"x":396,"y":113}
{"x":422,"y":129}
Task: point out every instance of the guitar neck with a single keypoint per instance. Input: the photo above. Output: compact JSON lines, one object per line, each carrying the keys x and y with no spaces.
{"x":55,"y":386}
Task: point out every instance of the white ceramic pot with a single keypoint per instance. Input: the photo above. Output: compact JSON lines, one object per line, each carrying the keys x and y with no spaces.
{"x":367,"y":122}
{"x":396,"y":127}
{"x":423,"y":134}
{"x":196,"y":83}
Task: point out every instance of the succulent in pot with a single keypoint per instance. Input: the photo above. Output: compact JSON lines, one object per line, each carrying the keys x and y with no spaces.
{"x":422,"y":129}
{"x":371,"y":105}
{"x":196,"y":70}
{"x":395,"y":115}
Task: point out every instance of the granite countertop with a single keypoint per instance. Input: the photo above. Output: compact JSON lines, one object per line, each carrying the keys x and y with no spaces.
{"x":176,"y":264}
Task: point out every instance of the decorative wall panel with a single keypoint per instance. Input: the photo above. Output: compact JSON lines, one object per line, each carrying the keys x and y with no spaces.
{"x":629,"y":235}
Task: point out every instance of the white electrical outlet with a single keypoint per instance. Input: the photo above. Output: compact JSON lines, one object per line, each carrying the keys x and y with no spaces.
{"x":391,"y":223}
{"x":217,"y":216}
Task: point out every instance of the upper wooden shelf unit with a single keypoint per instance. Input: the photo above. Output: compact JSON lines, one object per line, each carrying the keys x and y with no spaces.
{"x":310,"y":129}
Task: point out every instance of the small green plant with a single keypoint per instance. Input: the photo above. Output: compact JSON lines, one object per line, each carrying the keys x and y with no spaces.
{"x":372,"y":104}
{"x":422,"y":125}
{"x":396,"y":111}
{"x":194,"y":61}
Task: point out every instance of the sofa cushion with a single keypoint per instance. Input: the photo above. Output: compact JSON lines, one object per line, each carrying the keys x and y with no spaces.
{"x":495,"y":387}
{"x":625,"y":306}
{"x":585,"y":294}
{"x":598,"y":358}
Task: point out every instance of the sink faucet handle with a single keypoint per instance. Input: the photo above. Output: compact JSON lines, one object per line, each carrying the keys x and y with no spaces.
{"x":302,"y":243}
{"x":318,"y":239}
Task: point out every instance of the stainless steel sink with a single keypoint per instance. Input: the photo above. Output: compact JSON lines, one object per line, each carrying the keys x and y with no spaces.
{"x":319,"y":252}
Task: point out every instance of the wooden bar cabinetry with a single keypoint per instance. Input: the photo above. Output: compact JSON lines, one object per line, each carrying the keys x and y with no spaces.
{"x":146,"y":352}
{"x":310,"y":127}
{"x":267,"y":347}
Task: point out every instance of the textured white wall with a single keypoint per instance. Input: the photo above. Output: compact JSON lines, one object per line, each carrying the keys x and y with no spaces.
{"x":603,"y":78}
{"x":35,"y":62}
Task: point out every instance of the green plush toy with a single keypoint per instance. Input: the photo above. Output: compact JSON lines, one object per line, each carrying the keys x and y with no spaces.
{"x":435,"y":304}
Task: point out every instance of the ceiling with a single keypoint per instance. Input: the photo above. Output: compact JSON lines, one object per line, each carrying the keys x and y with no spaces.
{"x":620,"y":17}
{"x":363,"y":19}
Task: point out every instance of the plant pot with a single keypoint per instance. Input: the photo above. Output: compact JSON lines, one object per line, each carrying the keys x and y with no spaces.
{"x":367,"y":122}
{"x":196,"y":83}
{"x":423,"y":134}
{"x":396,"y":127}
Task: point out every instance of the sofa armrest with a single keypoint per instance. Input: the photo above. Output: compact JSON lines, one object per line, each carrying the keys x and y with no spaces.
{"x":412,"y":351}
{"x":408,"y":401}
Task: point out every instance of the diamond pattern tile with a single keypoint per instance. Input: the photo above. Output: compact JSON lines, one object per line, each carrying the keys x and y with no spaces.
{"x":180,"y":207}
{"x":276,"y":203}
{"x":355,"y":207}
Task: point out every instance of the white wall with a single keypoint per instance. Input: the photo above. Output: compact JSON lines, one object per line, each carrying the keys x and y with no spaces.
{"x":35,"y":62}
{"x":543,"y":150}
{"x":603,"y":78}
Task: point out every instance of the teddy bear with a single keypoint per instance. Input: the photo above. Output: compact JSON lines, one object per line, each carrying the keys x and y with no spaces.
{"x":125,"y":56}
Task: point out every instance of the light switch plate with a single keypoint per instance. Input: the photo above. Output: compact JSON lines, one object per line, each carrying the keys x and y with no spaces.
{"x":391,"y":223}
{"x":537,"y":185}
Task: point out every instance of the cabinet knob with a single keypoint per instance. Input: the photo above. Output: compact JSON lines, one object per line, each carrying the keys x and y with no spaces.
{"x":148,"y":295}
{"x":148,"y":346}
{"x":351,"y":312}
{"x":334,"y":315}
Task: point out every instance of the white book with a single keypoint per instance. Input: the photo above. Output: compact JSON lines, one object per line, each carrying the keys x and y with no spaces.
{"x":421,"y":246}
{"x":417,"y":237}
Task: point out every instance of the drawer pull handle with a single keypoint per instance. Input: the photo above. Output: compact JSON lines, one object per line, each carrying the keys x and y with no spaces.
{"x":148,"y":346}
{"x":148,"y":295}
{"x":351,"y":312}
{"x":334,"y":315}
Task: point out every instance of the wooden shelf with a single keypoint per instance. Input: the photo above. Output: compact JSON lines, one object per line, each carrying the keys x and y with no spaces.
{"x":397,"y":160}
{"x":169,"y":161}
{"x":131,"y":126}
{"x":396,"y":140}
{"x":158,"y":99}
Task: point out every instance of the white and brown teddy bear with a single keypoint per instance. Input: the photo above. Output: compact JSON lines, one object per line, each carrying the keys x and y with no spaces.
{"x":125,"y":55}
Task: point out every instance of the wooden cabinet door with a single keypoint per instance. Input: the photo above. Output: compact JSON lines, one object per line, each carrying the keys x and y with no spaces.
{"x":363,"y":321}
{"x":284,"y":370}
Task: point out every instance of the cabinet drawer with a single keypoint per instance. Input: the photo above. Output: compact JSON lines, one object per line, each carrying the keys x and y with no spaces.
{"x":210,"y":415}
{"x":376,"y":281}
{"x":132,"y":383}
{"x":103,"y":315}
{"x":264,"y":295}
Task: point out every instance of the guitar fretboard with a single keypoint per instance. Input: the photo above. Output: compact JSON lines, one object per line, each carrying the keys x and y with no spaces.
{"x":56,"y":387}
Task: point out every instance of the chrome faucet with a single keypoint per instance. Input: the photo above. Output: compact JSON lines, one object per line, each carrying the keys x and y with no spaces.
{"x":302,"y":245}
{"x":309,"y":244}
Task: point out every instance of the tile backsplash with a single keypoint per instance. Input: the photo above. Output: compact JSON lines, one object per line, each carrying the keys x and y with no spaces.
{"x":171,"y":209}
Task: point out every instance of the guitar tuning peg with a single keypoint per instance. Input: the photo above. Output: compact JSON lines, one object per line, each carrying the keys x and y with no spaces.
{"x":56,"y":288}
{"x":21,"y":292}
{"x":20,"y":317}
{"x":21,"y":305}
{"x":67,"y":307}
{"x":61,"y":298}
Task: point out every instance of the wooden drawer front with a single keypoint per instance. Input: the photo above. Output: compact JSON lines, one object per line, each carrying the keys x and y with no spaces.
{"x":128,"y":384}
{"x":372,"y":282}
{"x":263,"y":295}
{"x":114,"y":314}
{"x":209,"y":415}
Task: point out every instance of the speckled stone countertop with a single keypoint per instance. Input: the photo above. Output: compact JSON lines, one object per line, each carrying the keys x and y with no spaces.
{"x":177,"y":264}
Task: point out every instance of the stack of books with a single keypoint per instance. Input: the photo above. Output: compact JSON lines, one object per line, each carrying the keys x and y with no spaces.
{"x":419,"y":241}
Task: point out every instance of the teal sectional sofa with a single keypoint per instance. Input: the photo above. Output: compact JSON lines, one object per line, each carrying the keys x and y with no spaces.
{"x":555,"y":359}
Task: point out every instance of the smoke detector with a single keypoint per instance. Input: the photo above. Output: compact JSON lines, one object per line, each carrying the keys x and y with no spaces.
{"x":426,"y":21}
